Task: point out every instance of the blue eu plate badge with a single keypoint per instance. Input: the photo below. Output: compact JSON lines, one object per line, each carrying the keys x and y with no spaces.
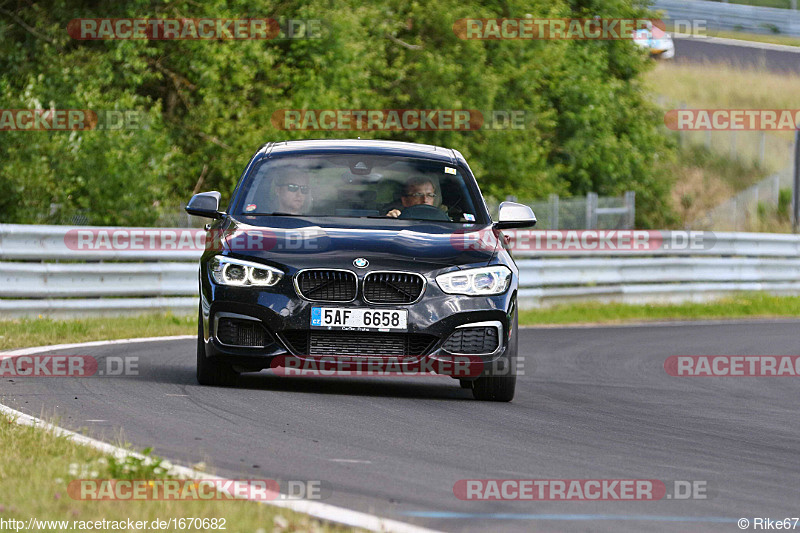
{"x":316,"y":316}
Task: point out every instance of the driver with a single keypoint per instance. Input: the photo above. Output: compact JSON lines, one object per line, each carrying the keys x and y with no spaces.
{"x":418,"y":190}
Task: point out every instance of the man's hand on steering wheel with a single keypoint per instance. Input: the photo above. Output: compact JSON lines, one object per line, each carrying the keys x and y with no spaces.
{"x":424,"y":212}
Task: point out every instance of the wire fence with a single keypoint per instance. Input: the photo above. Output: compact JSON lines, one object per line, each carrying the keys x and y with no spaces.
{"x":771,"y":151}
{"x":745,"y":210}
{"x":579,"y":212}
{"x":173,"y":216}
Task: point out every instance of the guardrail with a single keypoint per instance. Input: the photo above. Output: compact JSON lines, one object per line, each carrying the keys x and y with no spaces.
{"x":41,"y":272}
{"x":726,"y":16}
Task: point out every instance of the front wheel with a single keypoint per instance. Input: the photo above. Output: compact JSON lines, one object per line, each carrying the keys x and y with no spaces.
{"x":494,"y":388}
{"x":500,"y":388}
{"x":209,"y":371}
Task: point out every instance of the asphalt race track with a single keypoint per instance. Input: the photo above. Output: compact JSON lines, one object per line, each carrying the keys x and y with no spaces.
{"x":594,"y":403}
{"x":741,"y":54}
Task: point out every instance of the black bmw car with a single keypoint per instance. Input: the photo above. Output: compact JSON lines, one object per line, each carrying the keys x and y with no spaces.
{"x":351,"y":249}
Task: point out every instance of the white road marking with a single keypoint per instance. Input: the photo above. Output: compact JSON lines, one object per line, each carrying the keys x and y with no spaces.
{"x":40,"y":349}
{"x":350,"y":461}
{"x":322,"y":511}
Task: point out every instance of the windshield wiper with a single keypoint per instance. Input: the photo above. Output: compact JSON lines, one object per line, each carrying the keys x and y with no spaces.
{"x":397,"y":218}
{"x":276,"y":213}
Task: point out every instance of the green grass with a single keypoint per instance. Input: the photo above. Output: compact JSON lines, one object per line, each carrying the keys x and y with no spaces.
{"x":723,"y":86}
{"x":745,"y":305}
{"x":36,"y":468}
{"x":26,"y":332}
{"x":39,"y":332}
{"x":736,"y":174}
{"x":704,"y":178}
{"x":783,"y":4}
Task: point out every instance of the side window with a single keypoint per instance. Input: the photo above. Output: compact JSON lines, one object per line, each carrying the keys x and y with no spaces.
{"x":456,"y":197}
{"x":258,"y":192}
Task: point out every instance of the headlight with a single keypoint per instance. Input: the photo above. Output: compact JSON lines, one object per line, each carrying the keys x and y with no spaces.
{"x":476,"y":281}
{"x":235,"y":272}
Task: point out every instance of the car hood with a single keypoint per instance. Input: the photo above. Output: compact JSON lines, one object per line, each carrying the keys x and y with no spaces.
{"x":415,"y":245}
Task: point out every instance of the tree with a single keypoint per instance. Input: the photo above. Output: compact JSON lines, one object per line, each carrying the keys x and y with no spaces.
{"x":208,"y":104}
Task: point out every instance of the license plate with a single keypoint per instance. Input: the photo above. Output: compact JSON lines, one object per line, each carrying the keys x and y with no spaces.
{"x":359,"y":319}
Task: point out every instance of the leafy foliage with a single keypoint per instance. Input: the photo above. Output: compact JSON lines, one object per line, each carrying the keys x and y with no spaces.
{"x":208,"y":104}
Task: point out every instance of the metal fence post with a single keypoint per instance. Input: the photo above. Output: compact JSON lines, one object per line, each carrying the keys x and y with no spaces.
{"x":681,"y":132}
{"x":591,"y":210}
{"x":630,"y":205}
{"x":796,"y":188}
{"x":761,"y":145}
{"x":776,"y":189}
{"x":553,"y":211}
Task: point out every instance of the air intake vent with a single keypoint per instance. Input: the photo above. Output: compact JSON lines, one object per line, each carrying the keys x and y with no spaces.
{"x":477,"y":340}
{"x":327,"y":285}
{"x":392,"y":287}
{"x":355,"y":343}
{"x":239,"y":332}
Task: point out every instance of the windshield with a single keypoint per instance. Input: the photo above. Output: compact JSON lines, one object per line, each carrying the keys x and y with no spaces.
{"x":358,"y":185}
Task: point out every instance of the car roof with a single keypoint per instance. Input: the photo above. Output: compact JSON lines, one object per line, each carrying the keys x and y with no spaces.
{"x":370,"y":146}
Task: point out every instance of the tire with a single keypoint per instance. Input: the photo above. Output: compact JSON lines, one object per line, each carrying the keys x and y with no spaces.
{"x":490,"y":388}
{"x":494,"y":388}
{"x":209,"y":371}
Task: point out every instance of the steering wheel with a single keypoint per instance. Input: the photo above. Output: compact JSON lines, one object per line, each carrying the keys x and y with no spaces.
{"x":424,"y":212}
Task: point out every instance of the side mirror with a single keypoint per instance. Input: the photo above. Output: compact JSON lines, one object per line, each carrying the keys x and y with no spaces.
{"x":205,"y":204}
{"x":514,"y":215}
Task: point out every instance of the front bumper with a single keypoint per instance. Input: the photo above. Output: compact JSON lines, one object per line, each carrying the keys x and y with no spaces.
{"x":283,"y":314}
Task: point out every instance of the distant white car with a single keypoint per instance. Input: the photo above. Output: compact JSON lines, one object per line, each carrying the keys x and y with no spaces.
{"x":656,"y":41}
